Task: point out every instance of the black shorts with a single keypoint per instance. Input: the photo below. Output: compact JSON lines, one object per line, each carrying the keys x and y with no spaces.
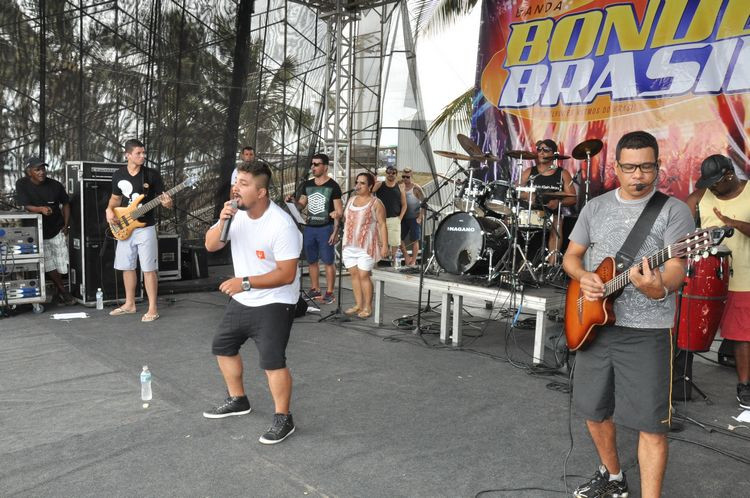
{"x":630,"y":369}
{"x":267,"y":325}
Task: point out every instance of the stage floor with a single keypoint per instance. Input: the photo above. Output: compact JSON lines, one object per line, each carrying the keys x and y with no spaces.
{"x":379,"y":411}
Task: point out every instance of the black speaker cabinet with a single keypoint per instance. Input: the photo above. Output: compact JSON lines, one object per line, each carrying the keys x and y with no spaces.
{"x":194,"y":262}
{"x":92,"y":248}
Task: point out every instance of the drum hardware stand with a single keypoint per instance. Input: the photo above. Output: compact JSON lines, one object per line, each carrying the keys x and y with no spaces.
{"x":422,"y":267}
{"x":526,"y":236}
{"x":552,"y":272}
{"x":586,"y":150}
{"x":433,"y":216}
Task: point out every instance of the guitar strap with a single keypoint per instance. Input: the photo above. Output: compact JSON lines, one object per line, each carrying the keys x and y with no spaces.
{"x":626,"y":255}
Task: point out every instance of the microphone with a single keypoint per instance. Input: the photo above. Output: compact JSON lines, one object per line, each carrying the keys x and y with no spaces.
{"x":225,"y":229}
{"x":640,"y":187}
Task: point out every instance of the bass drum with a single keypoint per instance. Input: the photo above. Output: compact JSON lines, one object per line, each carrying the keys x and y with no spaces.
{"x":465,"y":243}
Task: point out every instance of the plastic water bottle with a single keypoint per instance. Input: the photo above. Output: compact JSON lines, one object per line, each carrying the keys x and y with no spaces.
{"x":397,"y":259}
{"x":146,"y":384}
{"x":99,"y":299}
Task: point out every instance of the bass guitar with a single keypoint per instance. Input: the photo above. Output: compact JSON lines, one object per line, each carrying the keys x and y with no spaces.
{"x":126,"y":218}
{"x":582,"y":317}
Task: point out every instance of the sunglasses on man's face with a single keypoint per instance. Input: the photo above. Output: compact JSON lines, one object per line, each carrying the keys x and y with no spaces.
{"x":544,"y":149}
{"x":405,"y":176}
{"x":390,"y":172}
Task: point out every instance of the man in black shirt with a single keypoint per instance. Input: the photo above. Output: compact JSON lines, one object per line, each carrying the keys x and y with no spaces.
{"x":551,"y":178}
{"x":128,"y":183}
{"x":322,"y":196}
{"x":393,"y":196}
{"x":39,"y":194}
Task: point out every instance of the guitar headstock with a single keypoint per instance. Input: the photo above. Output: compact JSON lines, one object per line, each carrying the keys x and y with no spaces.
{"x":700,"y":243}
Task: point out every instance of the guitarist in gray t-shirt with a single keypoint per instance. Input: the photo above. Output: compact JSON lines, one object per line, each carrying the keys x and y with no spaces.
{"x":625,"y":370}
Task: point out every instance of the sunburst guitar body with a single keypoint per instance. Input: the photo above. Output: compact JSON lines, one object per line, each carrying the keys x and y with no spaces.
{"x":583,"y":317}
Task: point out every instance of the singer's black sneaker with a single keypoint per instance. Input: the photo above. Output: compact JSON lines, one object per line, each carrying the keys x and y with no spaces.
{"x":743,"y":395}
{"x":282,"y":428}
{"x":601,"y":487}
{"x":233,"y":405}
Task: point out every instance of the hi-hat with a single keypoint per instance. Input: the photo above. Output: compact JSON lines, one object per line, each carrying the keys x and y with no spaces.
{"x":520,"y":154}
{"x":469,"y":145}
{"x":587,"y":148}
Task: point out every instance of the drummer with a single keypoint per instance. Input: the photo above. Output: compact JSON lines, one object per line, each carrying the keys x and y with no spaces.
{"x":547,"y":174}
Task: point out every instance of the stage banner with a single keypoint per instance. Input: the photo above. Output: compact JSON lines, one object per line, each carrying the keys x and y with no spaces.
{"x":581,"y":69}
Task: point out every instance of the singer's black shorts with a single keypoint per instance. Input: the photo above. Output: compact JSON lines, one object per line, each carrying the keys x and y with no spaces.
{"x":267,"y":325}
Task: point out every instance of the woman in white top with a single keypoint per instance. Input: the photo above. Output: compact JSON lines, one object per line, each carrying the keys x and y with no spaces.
{"x":365,"y":242}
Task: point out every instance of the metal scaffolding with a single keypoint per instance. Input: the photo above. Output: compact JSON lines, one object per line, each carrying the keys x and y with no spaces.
{"x":80,"y":77}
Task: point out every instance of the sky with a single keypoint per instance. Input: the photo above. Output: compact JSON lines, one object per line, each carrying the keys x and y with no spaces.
{"x":446,"y":62}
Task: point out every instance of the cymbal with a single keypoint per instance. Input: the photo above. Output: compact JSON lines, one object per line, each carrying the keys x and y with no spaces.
{"x":520,"y":154}
{"x":469,"y":145}
{"x":452,"y":155}
{"x":555,"y":195}
{"x":587,"y":148}
{"x":486,"y":156}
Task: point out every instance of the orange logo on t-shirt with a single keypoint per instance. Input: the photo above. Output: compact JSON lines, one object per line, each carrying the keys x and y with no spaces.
{"x":260,"y":254}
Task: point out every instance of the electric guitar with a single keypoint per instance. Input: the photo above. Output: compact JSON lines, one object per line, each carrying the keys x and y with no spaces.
{"x":127,"y":217}
{"x":582,"y":316}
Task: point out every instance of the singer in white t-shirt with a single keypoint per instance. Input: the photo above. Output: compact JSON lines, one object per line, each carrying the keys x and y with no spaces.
{"x":265,"y":250}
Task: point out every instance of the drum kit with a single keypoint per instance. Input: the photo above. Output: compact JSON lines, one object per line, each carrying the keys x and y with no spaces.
{"x":497,"y":230}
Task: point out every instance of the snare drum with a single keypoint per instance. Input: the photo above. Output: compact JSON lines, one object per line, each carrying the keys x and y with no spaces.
{"x":531,"y":220}
{"x":702,"y":300}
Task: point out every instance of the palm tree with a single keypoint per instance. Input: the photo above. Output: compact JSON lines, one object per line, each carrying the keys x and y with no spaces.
{"x":431,"y":17}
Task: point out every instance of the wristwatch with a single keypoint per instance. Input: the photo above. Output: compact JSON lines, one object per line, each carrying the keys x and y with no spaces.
{"x":246,"y":284}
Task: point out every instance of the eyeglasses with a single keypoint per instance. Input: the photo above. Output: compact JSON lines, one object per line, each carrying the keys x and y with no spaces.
{"x":544,"y":149}
{"x":390,"y":171}
{"x":405,"y":176}
{"x":644,"y":167}
{"x":317,"y":164}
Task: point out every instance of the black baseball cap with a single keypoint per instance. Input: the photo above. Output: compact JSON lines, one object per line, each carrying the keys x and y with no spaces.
{"x":33,"y":162}
{"x":713,"y":169}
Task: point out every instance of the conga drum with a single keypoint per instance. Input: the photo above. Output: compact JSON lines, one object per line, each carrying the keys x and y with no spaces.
{"x":701,"y":301}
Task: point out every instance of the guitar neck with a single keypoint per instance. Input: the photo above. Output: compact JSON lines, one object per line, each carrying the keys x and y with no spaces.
{"x":622,"y":279}
{"x":156,"y":201}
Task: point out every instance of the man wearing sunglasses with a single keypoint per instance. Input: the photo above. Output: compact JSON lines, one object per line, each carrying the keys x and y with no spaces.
{"x":411,"y":225}
{"x":547,"y":175}
{"x":626,"y":371}
{"x":723,"y":199}
{"x":393,"y":196}
{"x":322,"y":196}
